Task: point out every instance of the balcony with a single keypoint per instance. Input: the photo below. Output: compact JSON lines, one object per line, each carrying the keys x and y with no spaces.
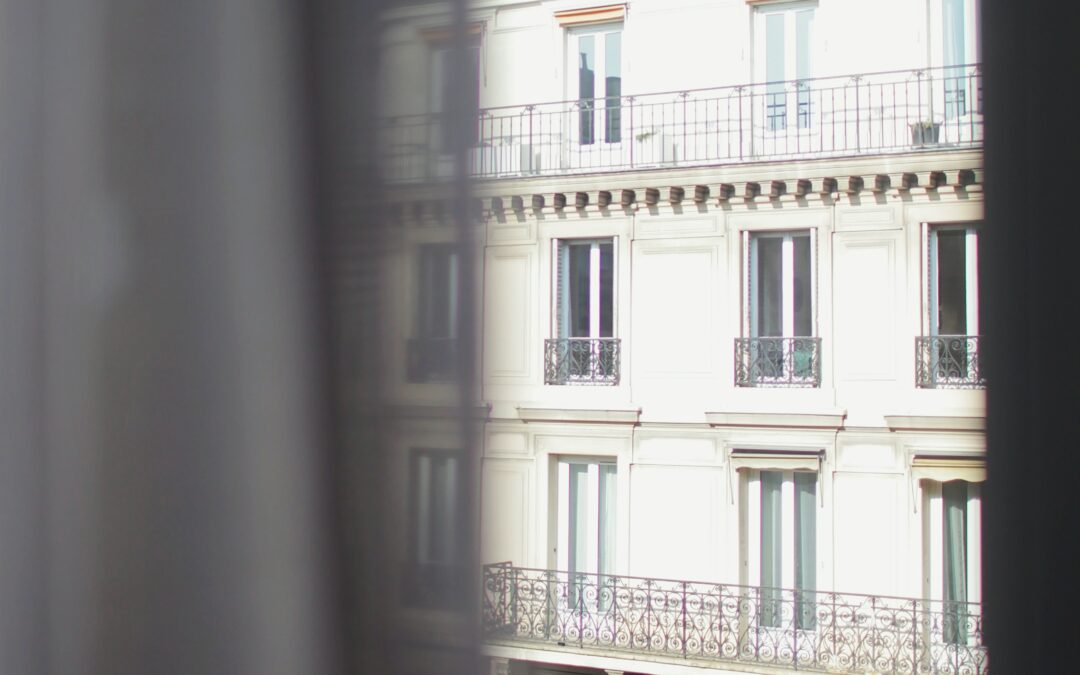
{"x":857,"y":114}
{"x":676,"y":620}
{"x":581,"y":361}
{"x":432,"y":360}
{"x":948,"y":362}
{"x":778,"y":362}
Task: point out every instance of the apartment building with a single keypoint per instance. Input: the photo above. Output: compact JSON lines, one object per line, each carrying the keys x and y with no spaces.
{"x":729,"y":408}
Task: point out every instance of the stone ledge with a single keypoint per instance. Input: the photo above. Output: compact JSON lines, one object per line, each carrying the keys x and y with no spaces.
{"x":821,"y":420}
{"x":935,"y":423}
{"x":604,"y":415}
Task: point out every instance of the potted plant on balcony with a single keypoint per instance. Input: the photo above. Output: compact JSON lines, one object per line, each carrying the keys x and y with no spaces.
{"x":925,"y":132}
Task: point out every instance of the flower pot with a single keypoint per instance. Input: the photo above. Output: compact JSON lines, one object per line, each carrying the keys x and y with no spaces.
{"x":925,"y":133}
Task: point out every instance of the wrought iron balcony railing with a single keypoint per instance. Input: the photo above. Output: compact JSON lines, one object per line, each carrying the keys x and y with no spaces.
{"x":804,"y":630}
{"x":581,"y":361}
{"x":948,"y":362}
{"x":838,"y":116}
{"x":432,"y":359}
{"x":778,"y":362}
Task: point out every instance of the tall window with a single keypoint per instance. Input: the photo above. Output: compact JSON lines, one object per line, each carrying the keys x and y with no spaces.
{"x":783,"y":37}
{"x":436,"y":506}
{"x":443,"y":92}
{"x":584,"y":348}
{"x":953,"y":554}
{"x":948,"y":355}
{"x":586,"y":526}
{"x":782,"y":544}
{"x":779,"y":319}
{"x":594,"y":72}
{"x":959,"y":47}
{"x":432,"y":351}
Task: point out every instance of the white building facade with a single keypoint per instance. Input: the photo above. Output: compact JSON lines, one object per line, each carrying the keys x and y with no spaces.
{"x":729,"y":403}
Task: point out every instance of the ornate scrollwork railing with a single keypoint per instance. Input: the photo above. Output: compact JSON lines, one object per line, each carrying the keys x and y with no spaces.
{"x":805,"y":630}
{"x":948,"y":362}
{"x":778,"y":362}
{"x":581,"y":361}
{"x":432,"y":359}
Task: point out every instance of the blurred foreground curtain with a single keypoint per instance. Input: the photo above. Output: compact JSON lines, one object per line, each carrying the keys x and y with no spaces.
{"x":180,"y":480}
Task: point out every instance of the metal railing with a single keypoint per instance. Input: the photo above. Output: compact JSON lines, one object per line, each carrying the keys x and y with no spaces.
{"x":805,"y":630}
{"x":837,"y":116}
{"x":778,"y":362}
{"x":432,"y":359}
{"x":948,"y":362}
{"x":581,"y":361}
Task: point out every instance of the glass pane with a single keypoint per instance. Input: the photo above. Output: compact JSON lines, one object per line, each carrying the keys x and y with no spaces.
{"x":607,"y":290}
{"x":803,"y":291}
{"x":606,"y":554}
{"x":579,"y":290}
{"x":954,"y":498}
{"x":586,"y":58}
{"x":768,"y":303}
{"x":613,"y":87}
{"x":805,"y":546}
{"x":579,"y":511}
{"x":952,"y":30}
{"x":952,"y":282}
{"x":953,"y":54}
{"x":771,"y":548}
{"x":803,"y":21}
{"x":775,"y":97}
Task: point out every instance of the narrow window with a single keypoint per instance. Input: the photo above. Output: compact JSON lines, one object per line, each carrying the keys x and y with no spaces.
{"x":586,"y":527}
{"x":436,"y":507}
{"x":584,"y":348}
{"x":784,"y":53}
{"x":595,"y":70}
{"x":786,"y":551}
{"x":953,"y":553}
{"x":948,"y":354}
{"x":432,"y":350}
{"x":780,"y":347}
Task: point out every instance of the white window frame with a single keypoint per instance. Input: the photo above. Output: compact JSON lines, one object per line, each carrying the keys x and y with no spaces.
{"x":438,"y":57}
{"x":751,"y":483}
{"x":931,"y":272}
{"x":422,"y":475}
{"x":560,"y":283}
{"x":596,"y":564}
{"x":936,"y":53}
{"x":425,"y":303}
{"x":750,"y":267}
{"x":789,"y":10}
{"x":599,"y":31}
{"x":934,"y":546}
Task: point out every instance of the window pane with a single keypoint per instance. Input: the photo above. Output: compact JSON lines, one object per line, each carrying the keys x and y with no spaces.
{"x":606,"y":554}
{"x":586,"y":65}
{"x":803,"y":291}
{"x":805,"y":546}
{"x":579,"y":290}
{"x":613,"y":87}
{"x":771,"y":549}
{"x":803,"y":21}
{"x":579,"y":511}
{"x":776,"y":108}
{"x":952,"y":29}
{"x":954,"y":498}
{"x":607,"y":290}
{"x":768,"y":316}
{"x":952,"y":282}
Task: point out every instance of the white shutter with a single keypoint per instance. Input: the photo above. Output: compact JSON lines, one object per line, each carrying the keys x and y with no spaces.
{"x":561,"y":254}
